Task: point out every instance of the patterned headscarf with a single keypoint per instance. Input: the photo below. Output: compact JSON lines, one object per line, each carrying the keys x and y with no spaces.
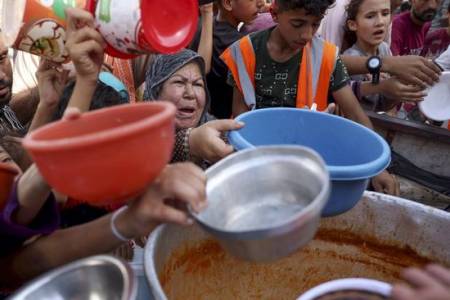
{"x":164,"y":66}
{"x":9,"y":122}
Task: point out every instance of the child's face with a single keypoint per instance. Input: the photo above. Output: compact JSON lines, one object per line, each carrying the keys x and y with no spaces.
{"x":372,"y":21}
{"x":246,"y":10}
{"x":6,"y":158}
{"x":296,"y":26}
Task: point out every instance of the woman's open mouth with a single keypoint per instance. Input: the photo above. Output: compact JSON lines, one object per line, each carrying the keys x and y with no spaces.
{"x":186,"y":112}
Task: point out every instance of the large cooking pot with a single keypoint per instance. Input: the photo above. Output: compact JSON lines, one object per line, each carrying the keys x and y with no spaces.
{"x":377,"y":239}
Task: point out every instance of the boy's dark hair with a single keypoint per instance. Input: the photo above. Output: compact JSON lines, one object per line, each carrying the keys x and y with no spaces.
{"x":104,"y":96}
{"x":313,"y":7}
{"x":352,"y":11}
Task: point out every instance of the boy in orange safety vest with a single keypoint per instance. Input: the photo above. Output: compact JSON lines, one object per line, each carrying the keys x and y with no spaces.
{"x":287,"y":65}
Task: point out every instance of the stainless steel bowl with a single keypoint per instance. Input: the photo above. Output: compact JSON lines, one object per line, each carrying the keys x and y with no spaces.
{"x":264,"y":203}
{"x":98,"y":277}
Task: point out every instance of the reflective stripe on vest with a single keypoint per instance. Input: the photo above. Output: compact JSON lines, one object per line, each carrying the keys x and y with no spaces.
{"x":317,"y":66}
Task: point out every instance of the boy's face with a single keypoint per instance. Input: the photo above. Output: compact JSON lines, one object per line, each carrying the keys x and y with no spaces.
{"x":246,"y":10}
{"x":296,"y":26}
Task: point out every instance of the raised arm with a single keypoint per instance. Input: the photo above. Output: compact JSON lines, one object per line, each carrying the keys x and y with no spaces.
{"x":179,"y":183}
{"x":205,"y":47}
{"x":51,"y":83}
{"x":415,"y":70}
{"x":86,"y":49}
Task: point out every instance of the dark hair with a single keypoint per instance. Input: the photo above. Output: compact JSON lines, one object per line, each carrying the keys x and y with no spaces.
{"x":104,"y":96}
{"x":405,"y":6}
{"x":312,"y":7}
{"x":352,"y":11}
{"x":448,"y":7}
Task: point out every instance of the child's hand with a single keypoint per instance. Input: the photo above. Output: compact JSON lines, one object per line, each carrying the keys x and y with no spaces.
{"x":51,"y":82}
{"x":205,"y":141}
{"x":386,"y":183}
{"x":432,"y":283}
{"x":84,"y":44}
{"x":394,"y":89}
{"x":206,"y":9}
{"x":165,"y":200}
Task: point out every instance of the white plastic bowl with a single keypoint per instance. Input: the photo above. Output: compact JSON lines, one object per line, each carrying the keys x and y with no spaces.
{"x":436,"y":105}
{"x":348,"y":284}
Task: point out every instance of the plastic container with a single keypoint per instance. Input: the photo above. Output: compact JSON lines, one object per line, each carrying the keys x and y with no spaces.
{"x":353,"y":153}
{"x":341,"y":289}
{"x":106,"y":156}
{"x":37,"y":26}
{"x":137,"y":265}
{"x":436,"y":105}
{"x":7,"y":175}
{"x":130,"y":28}
{"x":136,"y":27}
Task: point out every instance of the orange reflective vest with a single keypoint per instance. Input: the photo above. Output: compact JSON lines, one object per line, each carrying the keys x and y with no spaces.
{"x":316,"y":68}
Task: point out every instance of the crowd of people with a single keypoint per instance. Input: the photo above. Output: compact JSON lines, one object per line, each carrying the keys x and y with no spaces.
{"x":247,"y":54}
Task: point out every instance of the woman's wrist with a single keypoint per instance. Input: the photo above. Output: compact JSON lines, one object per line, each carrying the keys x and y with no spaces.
{"x":188,"y":148}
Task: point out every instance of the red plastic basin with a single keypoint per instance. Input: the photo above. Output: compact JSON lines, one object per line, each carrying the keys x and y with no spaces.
{"x":106,"y":156}
{"x":7,"y":175}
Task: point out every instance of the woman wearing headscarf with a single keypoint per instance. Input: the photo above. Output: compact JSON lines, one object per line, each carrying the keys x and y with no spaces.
{"x":180,"y":79}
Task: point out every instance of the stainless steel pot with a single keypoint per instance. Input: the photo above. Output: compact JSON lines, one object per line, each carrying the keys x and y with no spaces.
{"x":98,"y":277}
{"x":369,"y":243}
{"x":264,"y":203}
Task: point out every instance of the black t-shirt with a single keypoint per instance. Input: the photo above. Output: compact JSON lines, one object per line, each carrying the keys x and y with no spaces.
{"x":221,"y":93}
{"x":224,"y":34}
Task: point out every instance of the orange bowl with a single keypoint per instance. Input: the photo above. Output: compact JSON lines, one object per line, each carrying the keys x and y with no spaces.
{"x":106,"y":156}
{"x":7,"y":175}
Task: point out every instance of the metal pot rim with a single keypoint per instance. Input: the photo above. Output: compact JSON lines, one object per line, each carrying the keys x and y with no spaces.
{"x":285,"y":226}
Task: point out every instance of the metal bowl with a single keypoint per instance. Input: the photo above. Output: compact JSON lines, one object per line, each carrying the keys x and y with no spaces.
{"x":97,"y":277}
{"x":264,"y":203}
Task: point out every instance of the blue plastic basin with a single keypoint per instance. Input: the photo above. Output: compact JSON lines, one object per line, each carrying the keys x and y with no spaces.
{"x":352,"y":152}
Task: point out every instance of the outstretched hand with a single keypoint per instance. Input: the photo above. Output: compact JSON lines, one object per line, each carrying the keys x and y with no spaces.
{"x":51,"y":82}
{"x":205,"y":141}
{"x":393,"y":88}
{"x":432,"y":283}
{"x":412,"y":69}
{"x":84,"y":44}
{"x":165,"y":200}
{"x":386,"y":183}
